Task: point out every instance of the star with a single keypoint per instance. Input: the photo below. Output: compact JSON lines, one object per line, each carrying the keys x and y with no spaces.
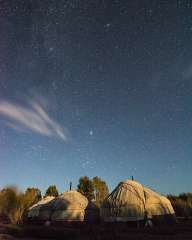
{"x":91,"y":132}
{"x":108,"y":78}
{"x":51,"y":49}
{"x":107,"y":25}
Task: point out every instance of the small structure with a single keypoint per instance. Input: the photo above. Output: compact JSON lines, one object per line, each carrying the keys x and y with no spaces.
{"x":131,"y":201}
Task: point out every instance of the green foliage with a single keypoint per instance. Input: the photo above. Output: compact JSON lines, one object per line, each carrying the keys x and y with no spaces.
{"x":96,"y":189}
{"x":101,"y":190}
{"x":52,"y":191}
{"x":32,"y":196}
{"x":14,"y":204}
{"x":8,"y":200}
{"x":86,"y":187}
{"x":182,"y":204}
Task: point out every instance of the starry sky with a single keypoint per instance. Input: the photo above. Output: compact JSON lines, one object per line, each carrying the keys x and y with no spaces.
{"x":96,"y":87}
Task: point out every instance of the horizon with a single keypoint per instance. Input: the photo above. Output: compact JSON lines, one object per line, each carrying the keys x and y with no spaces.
{"x":74,"y":187}
{"x":96,"y":88}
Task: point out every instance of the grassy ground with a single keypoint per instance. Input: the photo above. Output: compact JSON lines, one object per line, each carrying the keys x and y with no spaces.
{"x":181,"y":231}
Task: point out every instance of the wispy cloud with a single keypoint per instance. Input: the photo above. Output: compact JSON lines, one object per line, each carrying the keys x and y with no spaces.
{"x":33,"y":118}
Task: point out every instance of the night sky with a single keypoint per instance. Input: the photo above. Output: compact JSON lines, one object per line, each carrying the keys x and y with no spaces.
{"x":96,"y":87}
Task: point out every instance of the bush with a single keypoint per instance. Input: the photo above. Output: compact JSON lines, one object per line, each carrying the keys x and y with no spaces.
{"x":14,"y":204}
{"x":182,"y":204}
{"x":8,"y":200}
{"x":52,"y":191}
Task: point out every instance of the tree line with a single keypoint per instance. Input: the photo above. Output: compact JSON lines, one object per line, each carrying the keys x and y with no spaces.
{"x":182,"y":204}
{"x":14,"y":204}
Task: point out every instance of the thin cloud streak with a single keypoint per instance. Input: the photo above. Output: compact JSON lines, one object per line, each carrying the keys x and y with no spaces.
{"x":35,"y":119}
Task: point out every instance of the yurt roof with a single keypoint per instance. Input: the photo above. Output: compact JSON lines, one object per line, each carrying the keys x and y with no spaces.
{"x":121,"y":194}
{"x":43,"y":201}
{"x":131,"y":201}
{"x":71,"y":200}
{"x":131,"y":182}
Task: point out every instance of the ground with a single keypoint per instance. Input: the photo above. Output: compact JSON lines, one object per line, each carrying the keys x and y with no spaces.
{"x":181,"y":231}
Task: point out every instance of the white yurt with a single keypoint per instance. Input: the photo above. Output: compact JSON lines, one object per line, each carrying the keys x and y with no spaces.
{"x":41,"y":210}
{"x":73,"y":206}
{"x":131,"y":201}
{"x":69,"y":206}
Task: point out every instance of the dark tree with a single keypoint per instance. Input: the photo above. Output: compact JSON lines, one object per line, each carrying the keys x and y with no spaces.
{"x":101,"y":190}
{"x":52,"y":191}
{"x":86,"y":187}
{"x":33,"y":193}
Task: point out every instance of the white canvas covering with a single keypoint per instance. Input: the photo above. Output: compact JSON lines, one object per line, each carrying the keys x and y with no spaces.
{"x":131,"y":201}
{"x":39,"y":210}
{"x":70,"y":206}
{"x":157,"y":204}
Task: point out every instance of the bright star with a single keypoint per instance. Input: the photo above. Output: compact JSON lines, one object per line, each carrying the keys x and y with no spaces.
{"x":91,"y":132}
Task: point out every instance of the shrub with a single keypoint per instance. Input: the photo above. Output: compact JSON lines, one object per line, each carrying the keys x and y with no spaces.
{"x":52,"y":191}
{"x":182,"y":204}
{"x":14,"y":204}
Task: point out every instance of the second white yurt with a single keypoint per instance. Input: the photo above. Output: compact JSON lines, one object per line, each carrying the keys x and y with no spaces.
{"x":131,"y":201}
